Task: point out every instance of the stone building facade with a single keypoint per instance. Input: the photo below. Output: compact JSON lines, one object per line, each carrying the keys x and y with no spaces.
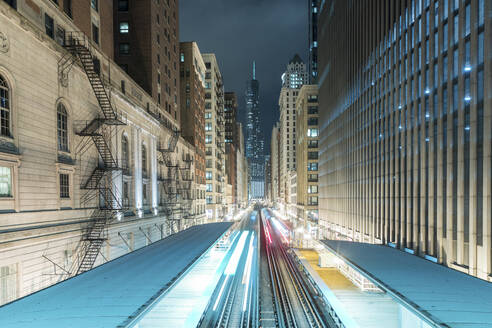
{"x":47,"y":163}
{"x":405,"y":118}
{"x":192,"y":94}
{"x":214,"y":140}
{"x":292,"y":80}
{"x":307,"y":157}
{"x":146,"y":46}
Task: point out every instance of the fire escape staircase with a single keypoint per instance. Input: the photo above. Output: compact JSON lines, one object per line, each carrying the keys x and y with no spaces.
{"x":99,"y":130}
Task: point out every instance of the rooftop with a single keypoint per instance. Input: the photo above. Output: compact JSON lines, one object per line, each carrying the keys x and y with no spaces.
{"x":442,"y":296}
{"x":110,"y":293}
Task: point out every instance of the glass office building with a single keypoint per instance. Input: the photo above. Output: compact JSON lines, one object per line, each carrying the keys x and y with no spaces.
{"x":405,"y":118}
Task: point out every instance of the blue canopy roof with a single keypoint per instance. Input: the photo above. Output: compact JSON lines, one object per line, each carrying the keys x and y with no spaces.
{"x":107,"y":295}
{"x":448,"y":298}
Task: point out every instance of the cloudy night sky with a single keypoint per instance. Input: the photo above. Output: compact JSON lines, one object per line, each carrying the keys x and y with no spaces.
{"x":240,"y":31}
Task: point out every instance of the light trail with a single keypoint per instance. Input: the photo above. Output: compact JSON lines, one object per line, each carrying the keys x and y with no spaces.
{"x":238,"y":251}
{"x":220,"y":293}
{"x":247,"y":272}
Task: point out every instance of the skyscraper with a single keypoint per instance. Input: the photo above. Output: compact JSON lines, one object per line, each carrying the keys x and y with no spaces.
{"x":293,"y":79}
{"x":254,"y":139}
{"x":313,"y":40}
{"x":405,"y":147}
{"x":146,"y":42}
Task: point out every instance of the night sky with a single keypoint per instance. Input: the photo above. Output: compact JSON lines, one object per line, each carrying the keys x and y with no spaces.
{"x":240,"y":31}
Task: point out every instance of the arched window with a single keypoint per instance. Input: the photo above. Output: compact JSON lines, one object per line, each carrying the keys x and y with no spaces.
{"x":4,"y":108}
{"x":62,"y":118}
{"x":144,"y":161}
{"x":124,"y":153}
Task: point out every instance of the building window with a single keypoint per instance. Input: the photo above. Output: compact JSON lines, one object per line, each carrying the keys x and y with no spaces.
{"x":312,"y":166}
{"x":124,"y":48}
{"x":144,"y":161}
{"x":64,"y":186}
{"x":124,"y":154}
{"x":312,"y":189}
{"x":5,"y":181}
{"x":313,"y":133}
{"x":95,"y":5}
{"x":67,"y":7}
{"x":122,"y":5}
{"x":60,"y":35}
{"x":313,"y":144}
{"x":313,"y":200}
{"x":124,"y":28}
{"x":95,"y":33}
{"x":313,"y":110}
{"x":209,"y":200}
{"x":313,"y":155}
{"x":208,"y":175}
{"x":126,"y":194}
{"x":144,"y":193}
{"x":13,"y":4}
{"x":4,"y":108}
{"x":313,"y":121}
{"x":209,"y":187}
{"x":62,"y":125}
{"x":208,"y":139}
{"x":49,"y":26}
{"x":208,"y":126}
{"x":182,"y":57}
{"x":8,"y":283}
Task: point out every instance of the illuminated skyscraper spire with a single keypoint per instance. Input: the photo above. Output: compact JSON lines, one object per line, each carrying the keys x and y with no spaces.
{"x":254,"y":139}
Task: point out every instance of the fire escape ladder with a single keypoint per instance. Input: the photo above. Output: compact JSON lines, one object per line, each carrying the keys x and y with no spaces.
{"x":100,"y":181}
{"x":78,"y":44}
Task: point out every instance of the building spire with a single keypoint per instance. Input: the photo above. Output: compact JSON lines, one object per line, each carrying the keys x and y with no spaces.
{"x":254,"y":70}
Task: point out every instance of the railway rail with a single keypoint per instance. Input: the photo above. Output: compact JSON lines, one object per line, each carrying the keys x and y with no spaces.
{"x":294,"y":304}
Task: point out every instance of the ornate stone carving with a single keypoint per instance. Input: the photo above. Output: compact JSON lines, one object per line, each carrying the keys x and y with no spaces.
{"x":4,"y":43}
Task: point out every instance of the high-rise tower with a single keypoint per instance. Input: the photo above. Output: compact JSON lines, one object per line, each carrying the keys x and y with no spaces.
{"x":254,"y":139}
{"x":313,"y":40}
{"x":294,"y":77}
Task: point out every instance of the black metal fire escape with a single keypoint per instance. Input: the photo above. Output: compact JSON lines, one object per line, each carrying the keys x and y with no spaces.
{"x":184,"y":187}
{"x":99,"y":129}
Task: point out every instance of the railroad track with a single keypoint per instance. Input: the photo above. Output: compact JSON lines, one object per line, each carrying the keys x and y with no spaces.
{"x":293,"y":302}
{"x":234,"y":303}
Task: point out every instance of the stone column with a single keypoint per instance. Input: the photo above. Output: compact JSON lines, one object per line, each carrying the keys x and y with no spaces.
{"x":153,"y":174}
{"x":137,"y":159}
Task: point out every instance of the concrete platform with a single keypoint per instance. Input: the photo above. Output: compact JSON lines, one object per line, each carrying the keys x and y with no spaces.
{"x":109,"y":294}
{"x":367,"y":309}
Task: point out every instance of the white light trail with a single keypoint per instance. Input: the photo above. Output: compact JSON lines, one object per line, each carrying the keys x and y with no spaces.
{"x":247,"y":272}
{"x":238,"y":251}
{"x":220,"y":293}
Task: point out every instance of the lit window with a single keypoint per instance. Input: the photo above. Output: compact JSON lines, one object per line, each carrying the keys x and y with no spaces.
{"x":124,"y":28}
{"x":313,"y":133}
{"x":312,"y":166}
{"x":5,"y":181}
